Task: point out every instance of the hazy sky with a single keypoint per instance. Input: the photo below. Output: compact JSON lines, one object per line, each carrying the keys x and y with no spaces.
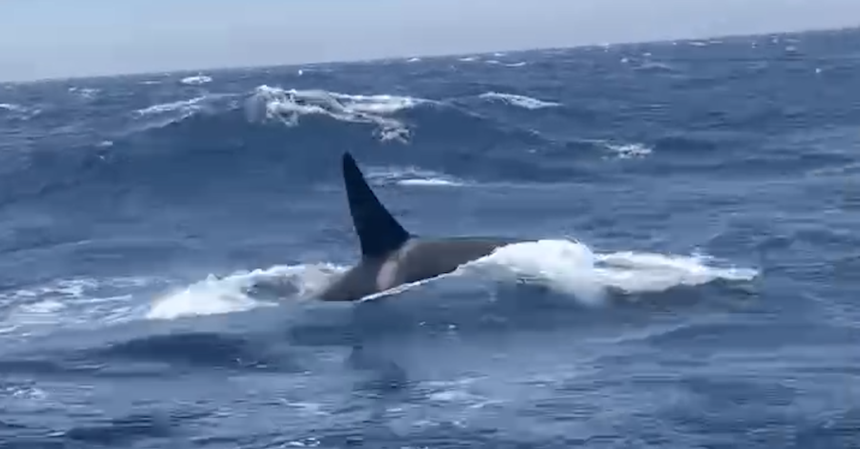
{"x":58,"y":38}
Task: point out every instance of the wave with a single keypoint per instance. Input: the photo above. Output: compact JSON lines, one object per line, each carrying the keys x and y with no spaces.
{"x":411,"y":176}
{"x":11,"y":107}
{"x":521,"y":101}
{"x":629,"y":151}
{"x":163,"y":114}
{"x":289,"y":105}
{"x":154,"y":142}
{"x":70,"y":303}
{"x":655,"y":66}
{"x":506,"y":64}
{"x":86,"y":93}
{"x":185,"y":106}
{"x":196,"y":80}
{"x":17,"y":111}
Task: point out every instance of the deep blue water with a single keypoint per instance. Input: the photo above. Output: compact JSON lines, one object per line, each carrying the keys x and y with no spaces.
{"x":695,"y":285}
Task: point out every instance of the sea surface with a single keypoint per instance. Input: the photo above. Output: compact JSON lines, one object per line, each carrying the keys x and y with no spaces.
{"x":692,"y":281}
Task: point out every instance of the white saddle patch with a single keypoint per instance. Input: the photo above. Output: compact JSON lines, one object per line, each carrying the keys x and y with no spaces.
{"x":388,"y":275}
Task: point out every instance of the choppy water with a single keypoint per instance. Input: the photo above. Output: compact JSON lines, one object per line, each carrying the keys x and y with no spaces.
{"x":695,"y":283}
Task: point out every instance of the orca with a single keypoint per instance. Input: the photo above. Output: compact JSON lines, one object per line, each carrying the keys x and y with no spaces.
{"x":390,"y":255}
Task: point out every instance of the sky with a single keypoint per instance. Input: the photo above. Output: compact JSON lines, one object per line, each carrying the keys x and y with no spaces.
{"x":65,"y":38}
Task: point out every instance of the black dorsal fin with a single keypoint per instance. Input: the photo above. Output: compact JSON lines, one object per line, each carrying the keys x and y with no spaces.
{"x":378,"y":232}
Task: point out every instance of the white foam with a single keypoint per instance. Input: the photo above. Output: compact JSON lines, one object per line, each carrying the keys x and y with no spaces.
{"x":629,"y":151}
{"x":12,"y":107}
{"x":506,"y":64}
{"x":23,"y":397}
{"x":428,"y":182}
{"x":20,"y":111}
{"x":184,"y":106}
{"x":412,"y":176}
{"x":69,"y":303}
{"x":163,"y":114}
{"x":655,"y":66}
{"x":565,"y":266}
{"x":208,"y":297}
{"x":87,"y":93}
{"x":519,"y":100}
{"x":196,"y":80}
{"x":571,"y":267}
{"x":289,"y":105}
{"x":88,"y":302}
{"x":230,"y":294}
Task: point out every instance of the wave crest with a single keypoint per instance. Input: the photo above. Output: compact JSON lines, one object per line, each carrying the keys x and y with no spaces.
{"x":520,"y":101}
{"x":290,"y":105}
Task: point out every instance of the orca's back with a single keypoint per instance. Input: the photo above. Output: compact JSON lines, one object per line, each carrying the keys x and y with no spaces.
{"x":424,"y":259}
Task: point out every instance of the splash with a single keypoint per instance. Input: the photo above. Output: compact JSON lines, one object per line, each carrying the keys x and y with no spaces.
{"x":573,"y":268}
{"x":289,"y":105}
{"x":567,"y":267}
{"x":238,"y":292}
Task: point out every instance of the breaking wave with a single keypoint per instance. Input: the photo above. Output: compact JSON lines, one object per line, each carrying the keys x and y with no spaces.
{"x":17,"y":111}
{"x":196,"y":80}
{"x":629,"y":151}
{"x":412,"y":176}
{"x":519,"y":100}
{"x":290,"y":105}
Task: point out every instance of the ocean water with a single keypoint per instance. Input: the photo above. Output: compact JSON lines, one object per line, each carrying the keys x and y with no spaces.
{"x":693,"y":279}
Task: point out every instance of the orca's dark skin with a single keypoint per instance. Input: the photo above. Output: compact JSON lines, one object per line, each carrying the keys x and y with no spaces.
{"x":391,"y":256}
